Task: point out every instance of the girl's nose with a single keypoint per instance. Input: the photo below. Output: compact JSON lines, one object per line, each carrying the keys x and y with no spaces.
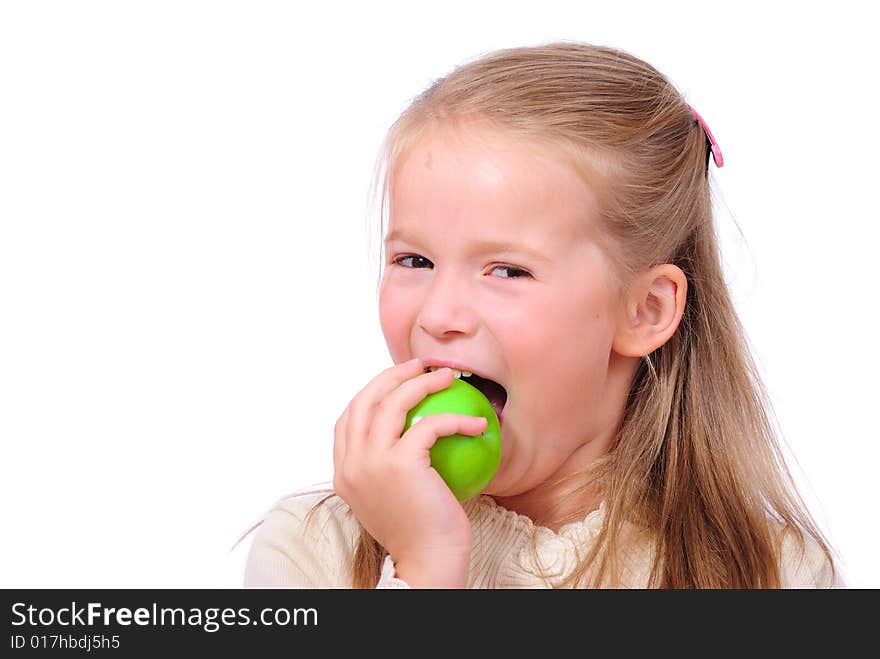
{"x":447,"y":308}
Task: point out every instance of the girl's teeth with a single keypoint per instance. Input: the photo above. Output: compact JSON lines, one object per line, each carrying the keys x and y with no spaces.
{"x":456,"y":373}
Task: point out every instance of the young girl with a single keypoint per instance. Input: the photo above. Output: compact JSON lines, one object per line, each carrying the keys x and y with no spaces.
{"x":550,"y":229}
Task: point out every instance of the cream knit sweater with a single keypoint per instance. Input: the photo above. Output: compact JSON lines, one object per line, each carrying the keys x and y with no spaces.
{"x":509,"y":550}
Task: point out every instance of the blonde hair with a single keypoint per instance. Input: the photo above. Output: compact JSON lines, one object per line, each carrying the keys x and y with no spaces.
{"x":696,"y":461}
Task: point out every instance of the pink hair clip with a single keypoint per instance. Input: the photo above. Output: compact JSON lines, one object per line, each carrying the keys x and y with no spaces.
{"x":716,"y":150}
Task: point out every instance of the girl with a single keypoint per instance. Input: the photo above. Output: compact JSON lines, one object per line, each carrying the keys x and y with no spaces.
{"x":550,"y":230}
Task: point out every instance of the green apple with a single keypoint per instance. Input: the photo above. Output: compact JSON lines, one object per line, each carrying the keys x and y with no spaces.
{"x":466,"y":463}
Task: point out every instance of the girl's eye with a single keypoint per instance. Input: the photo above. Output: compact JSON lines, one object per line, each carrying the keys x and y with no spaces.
{"x":400,"y":259}
{"x":513,"y":272}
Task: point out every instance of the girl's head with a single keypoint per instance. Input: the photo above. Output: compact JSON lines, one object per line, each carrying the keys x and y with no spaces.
{"x":495,"y":262}
{"x":542,"y":209}
{"x":550,"y":227}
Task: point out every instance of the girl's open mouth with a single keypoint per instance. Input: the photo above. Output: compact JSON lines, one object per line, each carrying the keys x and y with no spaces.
{"x":495,"y":392}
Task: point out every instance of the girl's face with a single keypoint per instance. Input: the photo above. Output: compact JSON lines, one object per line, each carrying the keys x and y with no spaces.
{"x":489,"y":265}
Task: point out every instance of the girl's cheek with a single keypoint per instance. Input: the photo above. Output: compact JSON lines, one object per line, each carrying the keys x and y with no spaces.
{"x":394,"y":316}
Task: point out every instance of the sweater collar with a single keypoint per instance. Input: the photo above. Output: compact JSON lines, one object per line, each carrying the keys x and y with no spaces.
{"x":538,"y":556}
{"x":587,"y":526}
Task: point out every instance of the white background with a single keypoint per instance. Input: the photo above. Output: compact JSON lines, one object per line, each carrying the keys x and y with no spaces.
{"x":188,"y":262}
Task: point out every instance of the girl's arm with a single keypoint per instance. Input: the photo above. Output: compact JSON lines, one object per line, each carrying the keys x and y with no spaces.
{"x":287,"y":553}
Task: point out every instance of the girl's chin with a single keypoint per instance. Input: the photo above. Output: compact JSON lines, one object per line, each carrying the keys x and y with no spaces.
{"x":492,"y":489}
{"x":497,"y":486}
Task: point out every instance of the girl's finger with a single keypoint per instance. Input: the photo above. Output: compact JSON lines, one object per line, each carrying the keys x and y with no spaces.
{"x":390,"y":419}
{"x":418,"y":440}
{"x":362,"y":408}
{"x":339,"y":435}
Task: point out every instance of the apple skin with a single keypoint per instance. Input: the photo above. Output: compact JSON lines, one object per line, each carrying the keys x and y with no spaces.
{"x":466,"y":463}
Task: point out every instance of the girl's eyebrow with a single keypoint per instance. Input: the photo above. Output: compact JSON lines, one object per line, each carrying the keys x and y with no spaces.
{"x":484,"y":246}
{"x":505,"y":247}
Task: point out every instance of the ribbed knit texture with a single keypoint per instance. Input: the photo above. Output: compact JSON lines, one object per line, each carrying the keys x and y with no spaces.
{"x":509,"y":551}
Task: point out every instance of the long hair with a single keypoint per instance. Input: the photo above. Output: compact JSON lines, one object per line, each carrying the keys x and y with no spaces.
{"x":696,"y":461}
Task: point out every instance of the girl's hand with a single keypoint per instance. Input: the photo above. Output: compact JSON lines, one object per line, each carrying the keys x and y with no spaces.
{"x":388,"y":482}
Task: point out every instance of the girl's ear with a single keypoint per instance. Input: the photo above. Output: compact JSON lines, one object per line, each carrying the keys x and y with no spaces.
{"x":652,"y":311}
